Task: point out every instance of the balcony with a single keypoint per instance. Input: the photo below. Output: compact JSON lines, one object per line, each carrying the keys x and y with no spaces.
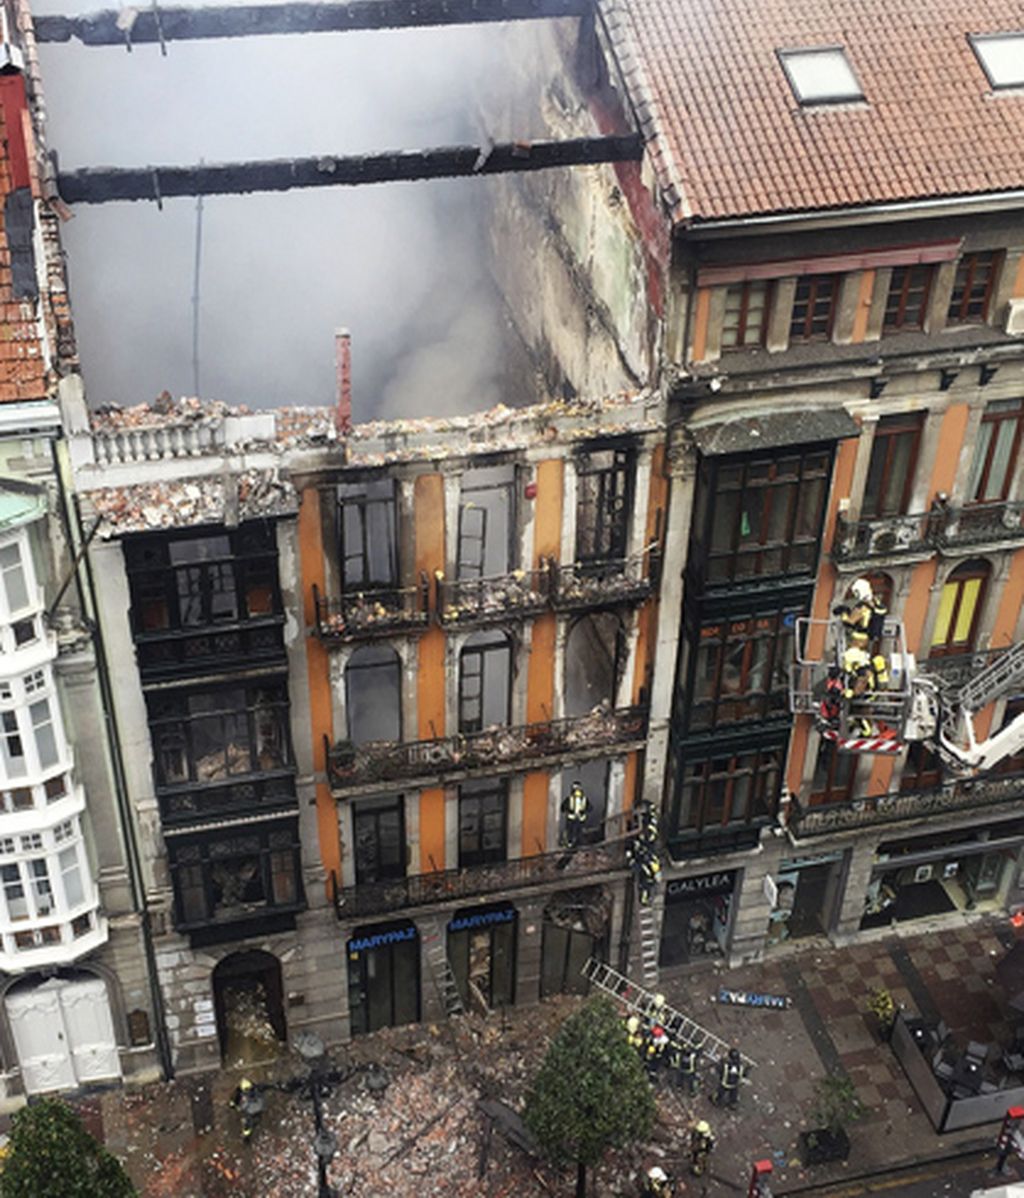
{"x":956,"y":669}
{"x":213,"y":647}
{"x":925,"y":532}
{"x":983,"y":524}
{"x":443,"y":886}
{"x":361,"y":614}
{"x":966,"y":794}
{"x":252,"y":795}
{"x":489,"y":600}
{"x":596,"y":584}
{"x":498,"y":749}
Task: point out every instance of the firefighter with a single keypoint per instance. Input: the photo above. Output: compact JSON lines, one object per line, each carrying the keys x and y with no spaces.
{"x":646,"y":868}
{"x":634,"y":1035}
{"x":575,"y":808}
{"x":864,"y":614}
{"x":702,"y":1142}
{"x":655,"y":1051}
{"x":646,"y":822}
{"x":248,"y":1101}
{"x":654,"y":1011}
{"x":656,"y":1183}
{"x":730,"y":1074}
{"x":683,"y":1060}
{"x":831,"y":707}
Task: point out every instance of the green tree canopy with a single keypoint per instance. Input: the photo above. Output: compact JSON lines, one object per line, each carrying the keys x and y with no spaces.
{"x":51,"y":1155}
{"x":591,"y":1092}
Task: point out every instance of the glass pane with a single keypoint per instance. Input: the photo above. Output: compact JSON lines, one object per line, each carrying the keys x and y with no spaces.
{"x":552,"y":966}
{"x":723,"y":521}
{"x":72,"y":876}
{"x":282,"y":876}
{"x":503,"y":955}
{"x":46,"y":741}
{"x":902,"y":449}
{"x":378,"y":987}
{"x":406,"y":965}
{"x":949,"y":593}
{"x":998,"y":475}
{"x":965,"y":615}
{"x":978,"y":462}
{"x":13,"y":575}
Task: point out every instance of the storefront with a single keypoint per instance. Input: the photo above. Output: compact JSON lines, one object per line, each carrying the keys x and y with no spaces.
{"x":383,"y":976}
{"x":804,"y":895}
{"x":959,"y":870}
{"x":482,"y":953}
{"x":698,"y":918}
{"x":575,"y":929}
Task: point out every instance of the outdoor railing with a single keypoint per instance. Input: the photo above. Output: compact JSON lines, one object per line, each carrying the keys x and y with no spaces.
{"x":959,"y":668}
{"x":941,"y":528}
{"x":956,"y":795}
{"x":369,"y":612}
{"x":473,"y":600}
{"x":493,"y":748}
{"x":983,"y":523}
{"x":617,"y":580}
{"x":442,"y":886}
{"x":115,"y":446}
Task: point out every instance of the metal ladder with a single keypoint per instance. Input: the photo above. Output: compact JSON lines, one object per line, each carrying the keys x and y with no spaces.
{"x":649,"y":943}
{"x":680,"y":1027}
{"x":441,"y":970}
{"x":993,"y":680}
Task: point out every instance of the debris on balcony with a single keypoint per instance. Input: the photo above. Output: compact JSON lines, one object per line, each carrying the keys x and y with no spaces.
{"x":472,"y":598}
{"x":164,"y":411}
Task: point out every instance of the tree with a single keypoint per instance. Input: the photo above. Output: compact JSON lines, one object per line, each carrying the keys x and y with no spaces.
{"x":591,"y":1092}
{"x":51,"y":1155}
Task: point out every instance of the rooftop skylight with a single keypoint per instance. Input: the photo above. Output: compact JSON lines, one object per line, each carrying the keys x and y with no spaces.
{"x":821,"y":76}
{"x":1002,"y":57}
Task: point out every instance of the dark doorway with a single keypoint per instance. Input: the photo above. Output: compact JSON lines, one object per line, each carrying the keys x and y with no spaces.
{"x":248,"y":1000}
{"x":378,"y":833}
{"x":383,"y":976}
{"x":482,"y":952}
{"x":808,"y":915}
{"x":575,"y":929}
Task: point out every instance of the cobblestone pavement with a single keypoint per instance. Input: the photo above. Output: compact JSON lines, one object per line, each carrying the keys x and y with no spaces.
{"x":425,"y":1135}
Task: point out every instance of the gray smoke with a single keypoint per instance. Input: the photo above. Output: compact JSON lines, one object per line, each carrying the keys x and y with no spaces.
{"x":403,"y":266}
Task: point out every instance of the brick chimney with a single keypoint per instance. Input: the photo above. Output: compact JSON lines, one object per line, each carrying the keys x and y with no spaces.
{"x":343,"y":381}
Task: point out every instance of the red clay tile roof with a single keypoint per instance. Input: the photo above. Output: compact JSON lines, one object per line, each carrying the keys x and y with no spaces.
{"x":728,"y":137}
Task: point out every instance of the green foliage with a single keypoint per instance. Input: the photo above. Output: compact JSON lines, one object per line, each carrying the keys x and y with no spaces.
{"x":591,"y":1092}
{"x":883,"y":1006}
{"x":51,"y":1155}
{"x":836,"y":1103}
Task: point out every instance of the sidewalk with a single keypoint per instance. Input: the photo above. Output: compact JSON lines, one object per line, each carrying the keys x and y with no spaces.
{"x":426,"y":1137}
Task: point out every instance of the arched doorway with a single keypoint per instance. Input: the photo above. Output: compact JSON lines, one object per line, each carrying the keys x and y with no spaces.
{"x":248,"y":999}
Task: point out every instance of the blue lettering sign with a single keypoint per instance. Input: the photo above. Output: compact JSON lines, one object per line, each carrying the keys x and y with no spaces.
{"x":482,"y":920}
{"x":381,"y":938}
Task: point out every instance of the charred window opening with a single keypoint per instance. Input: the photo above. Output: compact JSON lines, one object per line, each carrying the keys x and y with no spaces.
{"x":373,"y":695}
{"x":368,"y":532}
{"x":483,"y":822}
{"x":594,"y":777}
{"x":229,"y":877}
{"x":593,"y":662}
{"x":727,"y":790}
{"x":213,"y":736}
{"x":485,"y":681}
{"x":378,"y":835}
{"x":486,"y":523}
{"x":604,"y":500}
{"x":576,"y":925}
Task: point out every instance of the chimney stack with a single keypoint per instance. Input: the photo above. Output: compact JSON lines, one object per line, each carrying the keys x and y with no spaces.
{"x":343,"y":381}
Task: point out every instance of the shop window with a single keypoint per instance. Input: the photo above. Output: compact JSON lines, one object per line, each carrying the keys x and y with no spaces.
{"x":956,"y":623}
{"x":746,"y":315}
{"x":922,"y":771}
{"x":482,"y":952}
{"x":696,"y":922}
{"x":383,"y":976}
{"x":996,"y":452}
{"x":593,"y":655}
{"x":760,"y":516}
{"x":485,"y":681}
{"x":907,"y":301}
{"x":486,"y":522}
{"x":741,"y":789}
{"x":12,"y":575}
{"x":369,"y":535}
{"x":373,"y":695}
{"x":215,"y":735}
{"x":378,"y":833}
{"x":972,"y":288}
{"x":604,"y":485}
{"x":741,"y":671}
{"x":814,"y":305}
{"x":834,"y":774}
{"x":893,"y":463}
{"x":483,"y":823}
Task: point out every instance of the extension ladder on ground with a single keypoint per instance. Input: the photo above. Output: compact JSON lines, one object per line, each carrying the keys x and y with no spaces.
{"x":441,"y":970}
{"x":649,"y":944}
{"x":994,"y":680}
{"x":641,"y":1001}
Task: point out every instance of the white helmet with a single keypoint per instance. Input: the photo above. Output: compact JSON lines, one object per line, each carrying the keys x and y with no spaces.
{"x":861,"y":590}
{"x":657,"y":1173}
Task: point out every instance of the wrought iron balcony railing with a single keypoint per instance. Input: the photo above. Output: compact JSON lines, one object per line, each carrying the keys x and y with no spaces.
{"x":479,"y":600}
{"x":983,"y":524}
{"x":499,"y":748}
{"x":442,"y":886}
{"x":958,"y":668}
{"x":616,"y":580}
{"x":199,"y":650}
{"x":368,"y":613}
{"x":941,"y":528}
{"x":958,"y":795}
{"x":248,"y":794}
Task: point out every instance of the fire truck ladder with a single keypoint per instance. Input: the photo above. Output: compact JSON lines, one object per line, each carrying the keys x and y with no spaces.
{"x":441,"y":970}
{"x":993,"y":680}
{"x":649,"y":943}
{"x":641,"y":1002}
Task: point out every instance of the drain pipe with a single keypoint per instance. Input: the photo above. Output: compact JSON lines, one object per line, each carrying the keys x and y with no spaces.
{"x":87,"y":598}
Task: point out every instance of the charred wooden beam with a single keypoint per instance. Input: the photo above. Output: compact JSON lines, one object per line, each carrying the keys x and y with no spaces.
{"x":116,"y":27}
{"x":99,"y":185}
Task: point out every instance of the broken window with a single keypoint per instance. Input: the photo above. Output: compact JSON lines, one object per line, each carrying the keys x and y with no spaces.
{"x":223,"y":877}
{"x":483,"y":820}
{"x":593,"y":661}
{"x":373,"y":695}
{"x":378,"y":834}
{"x":369,"y":535}
{"x":594,"y":776}
{"x":604,"y":499}
{"x":214,"y":735}
{"x":575,"y":929}
{"x":482,"y":952}
{"x":485,"y":681}
{"x":486,"y":522}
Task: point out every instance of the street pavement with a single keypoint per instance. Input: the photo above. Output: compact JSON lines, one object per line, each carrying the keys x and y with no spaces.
{"x":425,"y":1135}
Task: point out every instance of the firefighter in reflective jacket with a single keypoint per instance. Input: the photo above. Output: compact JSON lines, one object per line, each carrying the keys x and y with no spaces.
{"x":702,"y":1141}
{"x":575,"y":808}
{"x":730,"y":1074}
{"x":682,"y":1060}
{"x":656,"y":1183}
{"x":248,"y":1101}
{"x":654,"y":1053}
{"x":646,"y":822}
{"x":646,"y":868}
{"x":865,"y":614}
{"x":634,"y":1036}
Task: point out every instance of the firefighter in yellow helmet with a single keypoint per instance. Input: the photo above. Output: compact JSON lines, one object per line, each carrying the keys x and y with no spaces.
{"x":702,"y":1142}
{"x":248,"y":1101}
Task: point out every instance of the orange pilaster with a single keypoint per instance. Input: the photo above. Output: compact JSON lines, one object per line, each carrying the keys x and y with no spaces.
{"x":951,"y":439}
{"x":428,"y":518}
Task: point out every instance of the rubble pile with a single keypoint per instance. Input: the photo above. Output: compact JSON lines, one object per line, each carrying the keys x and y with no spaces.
{"x":161,"y":413}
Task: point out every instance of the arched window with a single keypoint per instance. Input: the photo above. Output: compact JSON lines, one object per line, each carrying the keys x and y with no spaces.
{"x":485,"y":681}
{"x":593,"y":656}
{"x":956,"y":625}
{"x":373,"y":695}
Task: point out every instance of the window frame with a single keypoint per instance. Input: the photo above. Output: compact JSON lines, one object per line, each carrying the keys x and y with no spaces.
{"x":804,"y":333}
{"x":364,"y":499}
{"x":977,"y":40}
{"x":833,"y":788}
{"x":786,"y":58}
{"x":694,"y":775}
{"x":388,"y":663}
{"x":975,"y":569}
{"x":473,"y":800}
{"x":477,"y":649}
{"x":1001,"y":416}
{"x":903,"y":292}
{"x":742,"y":314}
{"x":889,"y":430}
{"x":958,"y":311}
{"x":373,"y":811}
{"x":606,"y":489}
